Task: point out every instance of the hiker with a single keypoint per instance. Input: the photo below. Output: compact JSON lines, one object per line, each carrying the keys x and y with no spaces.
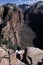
{"x":18,"y":53}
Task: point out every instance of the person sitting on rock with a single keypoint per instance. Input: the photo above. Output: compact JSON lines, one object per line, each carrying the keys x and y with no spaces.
{"x":18,"y":53}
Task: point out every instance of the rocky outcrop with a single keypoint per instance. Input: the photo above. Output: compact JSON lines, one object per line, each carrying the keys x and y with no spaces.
{"x":22,"y":33}
{"x":34,"y":16}
{"x":6,"y":59}
{"x":1,"y":14}
{"x":19,"y":32}
{"x":13,"y":27}
{"x":12,"y":22}
{"x":34,"y":9}
{"x":35,"y":54}
{"x":24,"y":7}
{"x":34,"y":51}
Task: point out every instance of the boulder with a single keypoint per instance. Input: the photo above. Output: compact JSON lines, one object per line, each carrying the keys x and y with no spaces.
{"x":35,"y":54}
{"x":6,"y":59}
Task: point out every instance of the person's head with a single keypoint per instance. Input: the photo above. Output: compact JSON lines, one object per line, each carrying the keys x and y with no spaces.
{"x":18,"y":48}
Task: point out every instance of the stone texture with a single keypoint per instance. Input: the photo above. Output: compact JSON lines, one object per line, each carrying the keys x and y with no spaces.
{"x":15,"y":61}
{"x":5,"y":59}
{"x":13,"y":20}
{"x":34,"y":19}
{"x":36,"y":54}
{"x":14,"y":28}
{"x":1,"y":13}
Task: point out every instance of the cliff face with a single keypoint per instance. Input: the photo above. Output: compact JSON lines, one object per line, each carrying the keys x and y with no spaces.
{"x":23,"y":29}
{"x":11,"y":22}
{"x":15,"y":31}
{"x":13,"y":28}
{"x":34,"y":9}
{"x":34,"y":16}
{"x":24,"y":6}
